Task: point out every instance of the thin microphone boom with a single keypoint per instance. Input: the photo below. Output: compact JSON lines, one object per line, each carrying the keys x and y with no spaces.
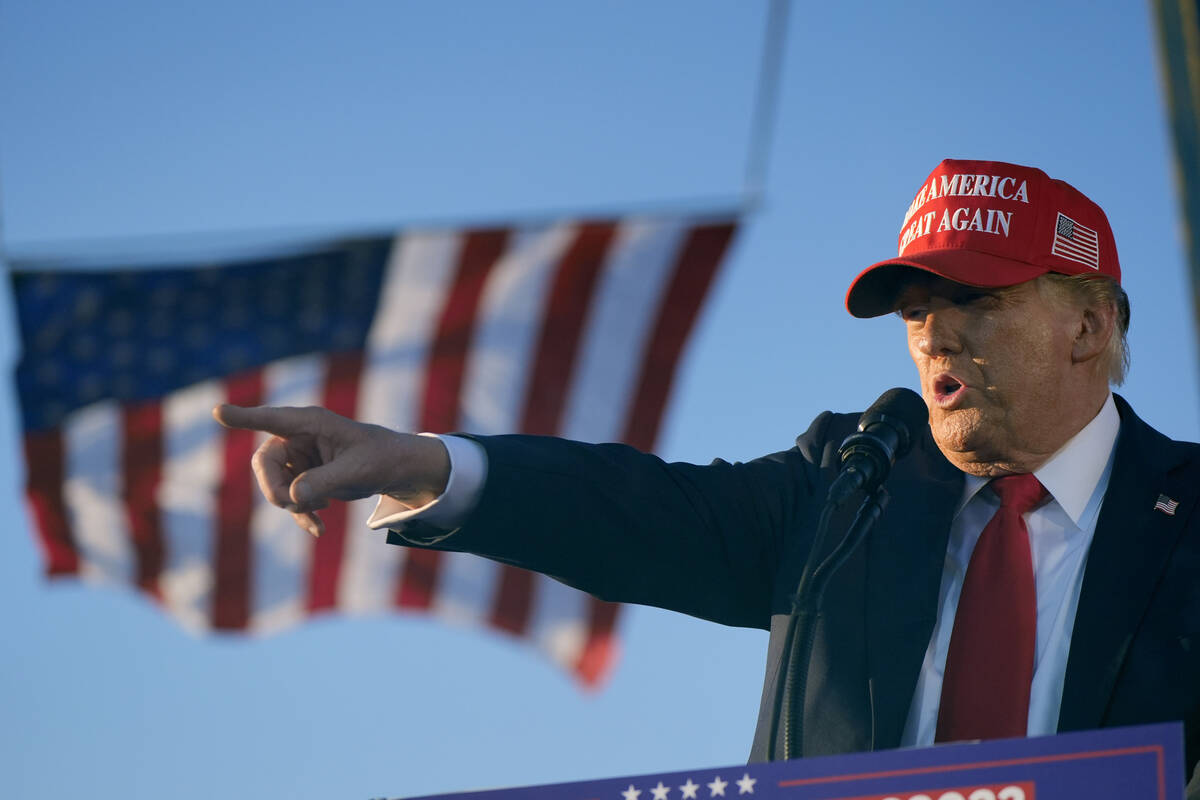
{"x":886,"y":431}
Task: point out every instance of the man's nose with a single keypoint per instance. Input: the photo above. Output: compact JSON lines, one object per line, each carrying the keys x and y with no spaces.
{"x":939,"y":333}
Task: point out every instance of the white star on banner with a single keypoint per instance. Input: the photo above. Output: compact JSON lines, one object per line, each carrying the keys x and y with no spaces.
{"x":660,"y":792}
{"x":746,"y":784}
{"x":631,"y":793}
{"x":715,"y":787}
{"x":689,"y":790}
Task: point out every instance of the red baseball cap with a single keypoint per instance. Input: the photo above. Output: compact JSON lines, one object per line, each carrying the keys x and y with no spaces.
{"x":990,"y":224}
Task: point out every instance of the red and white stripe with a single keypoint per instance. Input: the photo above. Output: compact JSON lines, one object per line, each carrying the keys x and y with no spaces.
{"x":570,"y":329}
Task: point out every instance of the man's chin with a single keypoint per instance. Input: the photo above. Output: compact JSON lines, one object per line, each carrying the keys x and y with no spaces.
{"x":961,"y":435}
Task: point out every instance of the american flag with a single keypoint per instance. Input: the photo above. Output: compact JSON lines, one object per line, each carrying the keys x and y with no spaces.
{"x":572,"y":328}
{"x":1166,"y":505}
{"x":1076,"y":242}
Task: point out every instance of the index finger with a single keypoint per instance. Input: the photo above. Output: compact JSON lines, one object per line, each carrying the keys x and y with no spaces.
{"x":270,"y":419}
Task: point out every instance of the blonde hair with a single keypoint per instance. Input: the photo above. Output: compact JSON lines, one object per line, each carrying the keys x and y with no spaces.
{"x":1100,"y":290}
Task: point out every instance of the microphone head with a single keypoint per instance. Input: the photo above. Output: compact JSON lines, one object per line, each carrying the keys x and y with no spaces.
{"x":900,"y":409}
{"x":886,"y":431}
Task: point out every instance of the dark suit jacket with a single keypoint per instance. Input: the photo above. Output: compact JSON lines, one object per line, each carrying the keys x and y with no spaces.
{"x":727,"y":542}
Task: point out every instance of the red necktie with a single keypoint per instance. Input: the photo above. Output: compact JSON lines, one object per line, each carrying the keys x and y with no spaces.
{"x":989,"y":667}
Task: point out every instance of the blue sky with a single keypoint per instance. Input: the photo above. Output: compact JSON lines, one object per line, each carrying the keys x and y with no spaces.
{"x":146,"y":129}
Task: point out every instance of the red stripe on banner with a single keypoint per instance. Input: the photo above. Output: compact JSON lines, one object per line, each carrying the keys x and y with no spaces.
{"x":141,"y":466}
{"x":513,"y":604}
{"x":235,"y":501}
{"x":693,"y":273}
{"x":600,"y":649}
{"x":418,"y":579}
{"x":562,"y":328}
{"x":443,"y":384}
{"x":340,"y":397}
{"x":566,"y":314}
{"x":456,"y":328}
{"x":44,"y":488}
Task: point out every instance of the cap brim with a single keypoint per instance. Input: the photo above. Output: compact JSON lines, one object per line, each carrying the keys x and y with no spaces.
{"x":875,"y":291}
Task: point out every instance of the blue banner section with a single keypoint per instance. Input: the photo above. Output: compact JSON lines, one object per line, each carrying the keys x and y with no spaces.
{"x":1141,"y":763}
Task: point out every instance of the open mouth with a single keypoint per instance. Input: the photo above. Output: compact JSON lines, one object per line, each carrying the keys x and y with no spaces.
{"x":947,"y":388}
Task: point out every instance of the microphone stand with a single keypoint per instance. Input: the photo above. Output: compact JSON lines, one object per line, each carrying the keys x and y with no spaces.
{"x":788,"y":710}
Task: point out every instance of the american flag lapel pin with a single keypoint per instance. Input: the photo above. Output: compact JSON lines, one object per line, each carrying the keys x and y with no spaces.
{"x":1166,"y":505}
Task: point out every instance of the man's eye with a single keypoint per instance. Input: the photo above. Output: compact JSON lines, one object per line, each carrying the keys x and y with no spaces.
{"x":912,"y":313}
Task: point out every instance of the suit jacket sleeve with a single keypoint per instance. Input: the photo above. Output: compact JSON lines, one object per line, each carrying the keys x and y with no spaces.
{"x":628,"y":527}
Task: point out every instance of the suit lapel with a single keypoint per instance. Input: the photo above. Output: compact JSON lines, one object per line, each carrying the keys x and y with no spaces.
{"x":1129,"y":550}
{"x":905,"y":557}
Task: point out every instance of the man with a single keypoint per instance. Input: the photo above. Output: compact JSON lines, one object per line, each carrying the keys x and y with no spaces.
{"x":1035,"y":570}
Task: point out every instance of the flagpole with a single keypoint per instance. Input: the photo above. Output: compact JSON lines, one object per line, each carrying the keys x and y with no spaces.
{"x":766,"y":102}
{"x":184,"y":247}
{"x":1179,"y":59}
{"x":173,"y":248}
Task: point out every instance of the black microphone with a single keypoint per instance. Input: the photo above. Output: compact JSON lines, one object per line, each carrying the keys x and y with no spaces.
{"x":885,"y":432}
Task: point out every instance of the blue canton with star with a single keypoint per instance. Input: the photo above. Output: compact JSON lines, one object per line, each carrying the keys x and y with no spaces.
{"x":136,"y":334}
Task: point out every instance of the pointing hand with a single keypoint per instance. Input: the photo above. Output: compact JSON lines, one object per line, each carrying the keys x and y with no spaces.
{"x":315,"y":455}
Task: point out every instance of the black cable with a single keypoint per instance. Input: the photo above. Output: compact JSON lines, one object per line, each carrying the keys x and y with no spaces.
{"x":790,"y":690}
{"x":782,"y":690}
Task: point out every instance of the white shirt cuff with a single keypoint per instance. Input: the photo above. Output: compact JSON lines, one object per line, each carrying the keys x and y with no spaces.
{"x":468,"y":470}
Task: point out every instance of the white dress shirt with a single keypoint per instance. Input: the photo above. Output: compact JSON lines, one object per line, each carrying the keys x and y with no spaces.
{"x":468,"y":471}
{"x":1060,"y":533}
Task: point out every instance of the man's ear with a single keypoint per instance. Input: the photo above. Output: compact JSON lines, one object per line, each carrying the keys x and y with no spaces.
{"x":1097,"y":324}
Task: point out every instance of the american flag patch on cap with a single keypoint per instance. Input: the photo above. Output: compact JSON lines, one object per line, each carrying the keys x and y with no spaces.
{"x":1076,"y":242}
{"x":1166,"y":505}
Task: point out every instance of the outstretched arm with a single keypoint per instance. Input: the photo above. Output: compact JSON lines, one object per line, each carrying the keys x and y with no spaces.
{"x":315,"y":455}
